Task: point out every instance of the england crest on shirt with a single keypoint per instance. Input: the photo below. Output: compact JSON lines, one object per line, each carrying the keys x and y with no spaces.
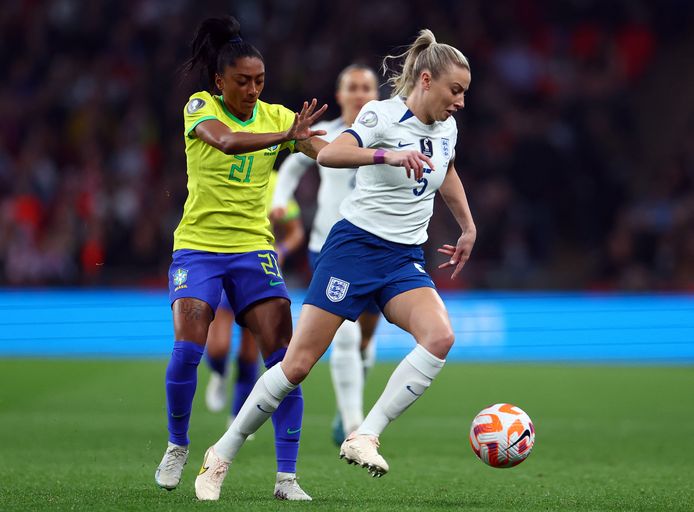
{"x":445,"y":148}
{"x":336,"y":289}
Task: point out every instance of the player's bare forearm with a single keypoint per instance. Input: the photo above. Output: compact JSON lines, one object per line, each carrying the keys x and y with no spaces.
{"x":218,"y":135}
{"x":344,"y":152}
{"x":311,"y":146}
{"x":453,"y":194}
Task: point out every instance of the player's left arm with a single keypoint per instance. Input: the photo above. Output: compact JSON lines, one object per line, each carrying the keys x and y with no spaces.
{"x":453,"y":194}
{"x":311,"y":146}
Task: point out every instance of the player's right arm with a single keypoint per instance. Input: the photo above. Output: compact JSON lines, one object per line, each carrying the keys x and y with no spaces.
{"x":345,"y":152}
{"x":355,"y":147}
{"x":218,"y":135}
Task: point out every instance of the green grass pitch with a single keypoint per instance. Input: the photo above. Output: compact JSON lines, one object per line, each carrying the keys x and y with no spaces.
{"x":87,"y":435}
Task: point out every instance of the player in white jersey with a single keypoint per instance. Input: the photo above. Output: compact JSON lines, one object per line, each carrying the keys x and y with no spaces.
{"x":375,"y":252}
{"x":352,"y":352}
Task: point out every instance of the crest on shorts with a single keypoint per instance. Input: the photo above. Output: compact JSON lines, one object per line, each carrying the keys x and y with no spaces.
{"x":337,"y":289}
{"x":194,"y":105}
{"x":180,"y":277}
{"x":369,"y":119}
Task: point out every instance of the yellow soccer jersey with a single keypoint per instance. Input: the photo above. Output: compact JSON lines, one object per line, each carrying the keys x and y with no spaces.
{"x":226,"y":208}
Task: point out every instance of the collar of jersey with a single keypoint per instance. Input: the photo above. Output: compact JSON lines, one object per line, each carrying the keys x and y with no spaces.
{"x":410,"y":115}
{"x":233,"y":117}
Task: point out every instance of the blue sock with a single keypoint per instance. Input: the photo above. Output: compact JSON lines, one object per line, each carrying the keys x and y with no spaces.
{"x":287,"y":422}
{"x":217,"y":364}
{"x":181,"y":380}
{"x":245,"y":380}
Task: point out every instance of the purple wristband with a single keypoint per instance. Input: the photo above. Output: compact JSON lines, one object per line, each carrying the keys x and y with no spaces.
{"x":380,"y":156}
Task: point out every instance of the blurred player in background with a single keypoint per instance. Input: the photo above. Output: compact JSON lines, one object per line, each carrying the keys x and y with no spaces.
{"x":375,"y":251}
{"x":224,"y":241}
{"x":353,"y":352}
{"x":289,"y":236}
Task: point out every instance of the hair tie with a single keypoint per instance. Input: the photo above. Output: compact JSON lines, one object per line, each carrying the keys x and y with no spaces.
{"x":236,"y":39}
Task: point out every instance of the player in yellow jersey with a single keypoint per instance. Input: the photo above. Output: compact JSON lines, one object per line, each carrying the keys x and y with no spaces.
{"x":224,"y":242}
{"x":289,"y":236}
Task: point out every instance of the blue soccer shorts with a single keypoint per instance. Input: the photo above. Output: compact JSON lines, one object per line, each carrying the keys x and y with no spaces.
{"x":356,"y":267}
{"x":246,"y":278}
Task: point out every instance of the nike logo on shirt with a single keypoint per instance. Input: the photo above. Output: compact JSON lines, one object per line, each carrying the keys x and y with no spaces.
{"x":401,"y":145}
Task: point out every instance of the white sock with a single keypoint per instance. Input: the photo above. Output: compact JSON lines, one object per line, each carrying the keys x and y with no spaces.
{"x":348,"y":375}
{"x":408,"y":382}
{"x":264,"y":399}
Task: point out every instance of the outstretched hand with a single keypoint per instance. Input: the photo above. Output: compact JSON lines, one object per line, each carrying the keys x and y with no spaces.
{"x":301,"y":128}
{"x":414,"y":162}
{"x":460,"y":253}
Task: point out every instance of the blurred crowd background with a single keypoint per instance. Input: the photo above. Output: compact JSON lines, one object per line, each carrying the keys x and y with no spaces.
{"x":576,"y":144}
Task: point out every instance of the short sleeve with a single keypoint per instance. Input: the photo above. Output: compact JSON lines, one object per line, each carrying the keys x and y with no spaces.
{"x":370,"y":124}
{"x":199,"y":108}
{"x":286,"y":119}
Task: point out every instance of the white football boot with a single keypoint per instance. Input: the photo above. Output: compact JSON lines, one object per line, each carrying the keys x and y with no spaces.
{"x":362,"y":450}
{"x":287,"y":488}
{"x":209,"y":482}
{"x":168,"y":474}
{"x":216,"y":394}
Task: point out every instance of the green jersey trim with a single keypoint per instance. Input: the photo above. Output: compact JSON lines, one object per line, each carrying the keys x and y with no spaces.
{"x":190,"y":130}
{"x":233,"y":117}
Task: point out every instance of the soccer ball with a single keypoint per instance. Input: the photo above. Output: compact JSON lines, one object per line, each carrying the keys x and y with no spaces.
{"x":502,"y":435}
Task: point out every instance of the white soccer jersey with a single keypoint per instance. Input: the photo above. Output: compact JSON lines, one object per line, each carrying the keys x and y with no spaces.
{"x":335,"y":185}
{"x":385,"y":201}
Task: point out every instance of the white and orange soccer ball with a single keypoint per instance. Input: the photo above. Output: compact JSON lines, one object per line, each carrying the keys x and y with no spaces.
{"x":502,"y":435}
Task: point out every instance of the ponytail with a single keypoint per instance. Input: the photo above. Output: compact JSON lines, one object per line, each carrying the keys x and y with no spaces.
{"x":217,"y":43}
{"x":423,"y":54}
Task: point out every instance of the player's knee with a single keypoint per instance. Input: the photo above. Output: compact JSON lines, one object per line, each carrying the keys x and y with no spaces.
{"x":439,"y":343}
{"x":297,"y":369}
{"x":272,"y":339}
{"x":192,"y":319}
